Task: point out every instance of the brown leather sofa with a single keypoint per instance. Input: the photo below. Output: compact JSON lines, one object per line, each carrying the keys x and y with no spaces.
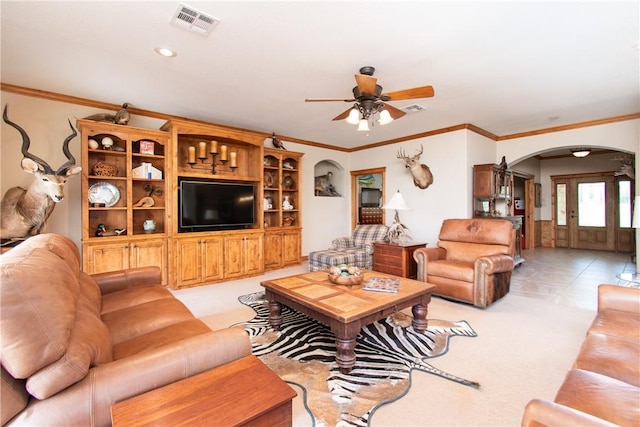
{"x":603,"y":386}
{"x":74,"y":344}
{"x":472,"y":261}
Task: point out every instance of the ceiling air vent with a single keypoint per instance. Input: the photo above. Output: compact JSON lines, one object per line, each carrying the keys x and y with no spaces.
{"x":413,"y":108}
{"x":193,"y":20}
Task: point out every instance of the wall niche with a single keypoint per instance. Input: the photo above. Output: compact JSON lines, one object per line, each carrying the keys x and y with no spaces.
{"x":329,"y":179}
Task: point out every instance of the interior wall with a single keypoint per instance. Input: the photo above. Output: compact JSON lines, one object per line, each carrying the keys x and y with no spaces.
{"x":450,"y":156}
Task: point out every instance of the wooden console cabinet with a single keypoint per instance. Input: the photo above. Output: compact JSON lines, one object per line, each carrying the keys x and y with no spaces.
{"x":241,"y":393}
{"x":396,"y":258}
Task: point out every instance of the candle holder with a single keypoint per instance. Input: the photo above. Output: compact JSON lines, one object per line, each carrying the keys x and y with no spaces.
{"x":213,"y":152}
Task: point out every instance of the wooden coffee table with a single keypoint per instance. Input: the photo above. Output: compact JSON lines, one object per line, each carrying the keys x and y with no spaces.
{"x":345,"y":309}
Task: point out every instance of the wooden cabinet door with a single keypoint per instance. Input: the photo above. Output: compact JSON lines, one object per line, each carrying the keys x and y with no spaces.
{"x":291,"y":251}
{"x":273,"y":256}
{"x":187,"y":262}
{"x":253,"y":250}
{"x":211,"y":259}
{"x":233,"y":256}
{"x":150,"y":253}
{"x":107,"y":257}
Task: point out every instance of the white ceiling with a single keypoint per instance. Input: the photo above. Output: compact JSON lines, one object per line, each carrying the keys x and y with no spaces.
{"x":505,"y":66}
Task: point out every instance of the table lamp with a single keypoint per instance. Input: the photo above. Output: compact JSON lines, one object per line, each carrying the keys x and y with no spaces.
{"x":397,"y":231}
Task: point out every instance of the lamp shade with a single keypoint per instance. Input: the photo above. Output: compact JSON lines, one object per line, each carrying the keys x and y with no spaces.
{"x":363,"y":125}
{"x":398,"y":203}
{"x":354,"y":117}
{"x":385,"y":118}
{"x":635,"y":222}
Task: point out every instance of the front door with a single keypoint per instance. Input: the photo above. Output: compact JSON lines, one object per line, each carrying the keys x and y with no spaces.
{"x":585,"y":211}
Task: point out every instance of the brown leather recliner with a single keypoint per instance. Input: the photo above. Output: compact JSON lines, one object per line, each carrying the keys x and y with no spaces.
{"x":472,"y":262}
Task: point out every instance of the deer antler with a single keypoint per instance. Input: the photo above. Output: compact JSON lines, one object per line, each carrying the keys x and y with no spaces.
{"x":401,"y":154}
{"x":65,"y":149}
{"x":417,"y":156}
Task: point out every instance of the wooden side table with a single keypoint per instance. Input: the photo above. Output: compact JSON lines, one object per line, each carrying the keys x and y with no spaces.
{"x":396,"y":258}
{"x":240,"y":393}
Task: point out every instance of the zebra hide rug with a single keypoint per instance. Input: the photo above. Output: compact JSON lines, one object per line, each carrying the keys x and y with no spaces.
{"x":303,"y":352}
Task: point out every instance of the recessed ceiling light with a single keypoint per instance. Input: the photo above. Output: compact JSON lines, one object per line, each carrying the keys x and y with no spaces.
{"x":165,"y":51}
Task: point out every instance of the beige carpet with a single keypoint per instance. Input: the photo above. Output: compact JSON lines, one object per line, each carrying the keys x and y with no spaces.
{"x":523,"y":349}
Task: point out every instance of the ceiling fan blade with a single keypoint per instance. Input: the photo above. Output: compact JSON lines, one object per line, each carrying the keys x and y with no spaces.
{"x":343,"y":116}
{"x":328,"y":100}
{"x":416,"y":92}
{"x":396,"y":113}
{"x":366,"y":84}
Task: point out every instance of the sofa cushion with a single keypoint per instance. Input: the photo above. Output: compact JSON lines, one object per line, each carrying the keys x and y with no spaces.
{"x":141,"y":319}
{"x":131,"y":297}
{"x":456,"y":270}
{"x":469,"y":251}
{"x":168,"y":335}
{"x":14,"y":396}
{"x":618,"y":323}
{"x":601,"y":396}
{"x":611,"y":356}
{"x":89,"y":345}
{"x":38,"y":302}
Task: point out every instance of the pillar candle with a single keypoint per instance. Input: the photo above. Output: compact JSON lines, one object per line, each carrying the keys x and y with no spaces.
{"x":192,"y":155}
{"x":214,"y":147}
{"x":223,"y":153}
{"x":202,"y":152}
{"x":232,"y":159}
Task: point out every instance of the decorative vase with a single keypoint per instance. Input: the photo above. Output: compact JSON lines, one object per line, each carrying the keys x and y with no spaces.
{"x":149,"y":226}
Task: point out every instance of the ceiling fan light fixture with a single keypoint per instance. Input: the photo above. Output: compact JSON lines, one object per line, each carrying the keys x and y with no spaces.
{"x":580,"y":152}
{"x":354,"y":116}
{"x":385,"y":118}
{"x":363,"y":125}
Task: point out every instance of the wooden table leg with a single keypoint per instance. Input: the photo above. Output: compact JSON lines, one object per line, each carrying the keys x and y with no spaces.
{"x":346,"y":355}
{"x":419,"y":321}
{"x":275,"y":314}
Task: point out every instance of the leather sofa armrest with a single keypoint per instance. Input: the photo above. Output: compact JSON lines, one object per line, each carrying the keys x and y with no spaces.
{"x":423,"y":256}
{"x":618,"y":298}
{"x":124,"y":279}
{"x":540,"y":412}
{"x":495,"y":263}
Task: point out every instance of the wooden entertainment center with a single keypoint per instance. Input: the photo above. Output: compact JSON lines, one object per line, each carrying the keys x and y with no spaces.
{"x":131,"y":207}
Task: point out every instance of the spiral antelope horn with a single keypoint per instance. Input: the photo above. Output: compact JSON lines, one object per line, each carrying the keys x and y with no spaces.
{"x":65,"y":149}
{"x":26,"y":142}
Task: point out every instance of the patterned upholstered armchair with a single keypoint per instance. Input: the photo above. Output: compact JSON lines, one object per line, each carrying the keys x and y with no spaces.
{"x":355,"y":250}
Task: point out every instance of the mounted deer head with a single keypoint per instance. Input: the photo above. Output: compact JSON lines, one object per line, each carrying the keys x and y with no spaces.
{"x":626,"y":165}
{"x":24,"y":212}
{"x":422,"y":176}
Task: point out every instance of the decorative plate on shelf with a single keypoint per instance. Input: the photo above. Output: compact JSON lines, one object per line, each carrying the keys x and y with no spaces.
{"x":104,"y":192}
{"x":287,"y":181}
{"x":268,"y":179}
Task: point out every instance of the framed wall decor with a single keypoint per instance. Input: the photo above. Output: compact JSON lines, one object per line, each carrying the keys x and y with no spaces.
{"x":538,"y":195}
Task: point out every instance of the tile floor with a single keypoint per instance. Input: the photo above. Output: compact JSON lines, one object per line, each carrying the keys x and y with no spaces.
{"x":569,"y":276}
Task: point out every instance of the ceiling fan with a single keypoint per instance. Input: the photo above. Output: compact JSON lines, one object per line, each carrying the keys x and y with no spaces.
{"x":369,"y":99}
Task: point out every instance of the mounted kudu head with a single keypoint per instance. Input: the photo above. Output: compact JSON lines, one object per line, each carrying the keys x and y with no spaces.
{"x":24,"y":212}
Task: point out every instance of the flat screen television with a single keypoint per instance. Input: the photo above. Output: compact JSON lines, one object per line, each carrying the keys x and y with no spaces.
{"x":212,"y":206}
{"x":370,"y":197}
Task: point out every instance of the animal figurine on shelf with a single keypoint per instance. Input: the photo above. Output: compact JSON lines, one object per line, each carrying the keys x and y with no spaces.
{"x":422,"y":176}
{"x":276,"y":142}
{"x":24,"y":211}
{"x":121,"y":117}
